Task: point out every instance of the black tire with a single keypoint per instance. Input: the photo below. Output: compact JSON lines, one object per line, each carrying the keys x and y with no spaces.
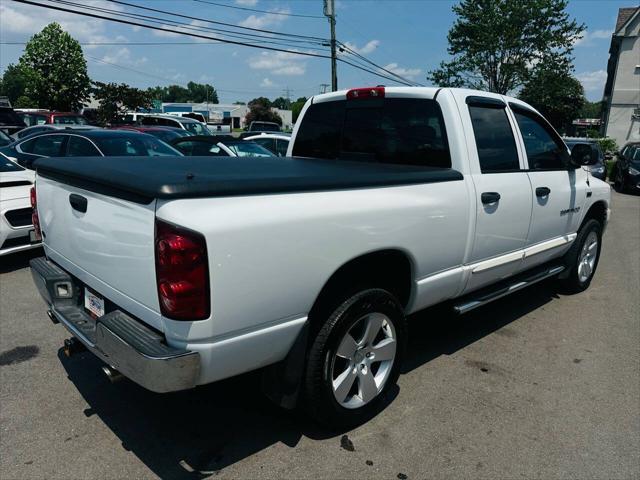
{"x":570,"y":280}
{"x":320,"y":400}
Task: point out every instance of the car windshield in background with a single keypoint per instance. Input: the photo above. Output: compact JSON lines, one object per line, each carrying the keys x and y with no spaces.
{"x":134,"y":146}
{"x":166,"y":135}
{"x":248,"y":149}
{"x":9,"y":117}
{"x":264,"y":127}
{"x":70,"y":120}
{"x":7,"y":165}
{"x":196,"y":128}
{"x":5,"y":139}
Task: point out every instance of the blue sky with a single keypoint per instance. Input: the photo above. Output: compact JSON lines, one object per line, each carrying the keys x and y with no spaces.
{"x":405,"y":36}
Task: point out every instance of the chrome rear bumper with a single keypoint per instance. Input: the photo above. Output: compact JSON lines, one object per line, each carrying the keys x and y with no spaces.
{"x":123,"y":342}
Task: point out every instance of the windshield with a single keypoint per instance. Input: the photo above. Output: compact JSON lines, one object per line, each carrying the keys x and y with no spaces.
{"x":264,"y":127}
{"x":165,"y":135}
{"x":7,"y":165}
{"x":196,"y":128}
{"x":4,"y":139}
{"x":70,"y":120}
{"x":248,"y":149}
{"x":134,"y":146}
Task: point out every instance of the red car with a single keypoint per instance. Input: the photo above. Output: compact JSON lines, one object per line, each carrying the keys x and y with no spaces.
{"x":43,"y":117}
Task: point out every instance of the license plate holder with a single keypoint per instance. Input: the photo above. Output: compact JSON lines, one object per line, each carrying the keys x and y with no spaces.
{"x":93,"y":303}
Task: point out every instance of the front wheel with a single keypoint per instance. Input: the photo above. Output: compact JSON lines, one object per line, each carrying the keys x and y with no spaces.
{"x":582,"y":259}
{"x":355,"y":358}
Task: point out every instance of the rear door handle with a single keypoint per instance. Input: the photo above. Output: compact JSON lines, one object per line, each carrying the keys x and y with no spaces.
{"x":542,"y":191}
{"x":78,"y":202}
{"x":489,"y":197}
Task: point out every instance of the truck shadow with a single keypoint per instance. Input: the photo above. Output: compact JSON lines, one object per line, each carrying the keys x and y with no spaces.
{"x":17,"y":261}
{"x":200,"y":432}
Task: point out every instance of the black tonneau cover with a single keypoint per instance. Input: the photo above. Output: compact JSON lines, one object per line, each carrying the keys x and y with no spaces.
{"x":141,"y":179}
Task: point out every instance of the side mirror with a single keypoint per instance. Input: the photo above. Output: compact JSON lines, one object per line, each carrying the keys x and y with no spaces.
{"x":582,"y":155}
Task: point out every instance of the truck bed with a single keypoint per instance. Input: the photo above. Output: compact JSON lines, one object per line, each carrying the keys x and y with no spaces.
{"x":141,"y":179}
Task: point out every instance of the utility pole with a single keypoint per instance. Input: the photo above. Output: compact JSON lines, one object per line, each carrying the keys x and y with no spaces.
{"x":287,"y":94}
{"x":330,"y":12}
{"x":324,"y":87}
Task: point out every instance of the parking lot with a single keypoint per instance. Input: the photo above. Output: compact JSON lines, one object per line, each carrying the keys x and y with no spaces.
{"x":536,"y":385}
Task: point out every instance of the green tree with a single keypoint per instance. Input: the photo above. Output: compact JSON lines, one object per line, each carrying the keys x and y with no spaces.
{"x":193,"y":92}
{"x":281,"y":103}
{"x":24,"y":102}
{"x":260,"y":110}
{"x":55,"y":70}
{"x":13,"y":83}
{"x":591,"y":110}
{"x":553,"y":91}
{"x":496,"y":44}
{"x":296,"y":108}
{"x":200,"y":92}
{"x":117,"y":99}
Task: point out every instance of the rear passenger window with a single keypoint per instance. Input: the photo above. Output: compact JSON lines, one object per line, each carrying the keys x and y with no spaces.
{"x":494,"y":139}
{"x":403,"y":131}
{"x":544,"y":151}
{"x":48,"y":145}
{"x":81,"y":147}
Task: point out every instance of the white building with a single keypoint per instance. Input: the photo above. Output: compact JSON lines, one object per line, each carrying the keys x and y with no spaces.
{"x":621,"y":100}
{"x":224,"y":113}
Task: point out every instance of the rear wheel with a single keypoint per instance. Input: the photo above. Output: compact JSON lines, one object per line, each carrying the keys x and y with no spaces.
{"x":582,"y":259}
{"x":355,"y":358}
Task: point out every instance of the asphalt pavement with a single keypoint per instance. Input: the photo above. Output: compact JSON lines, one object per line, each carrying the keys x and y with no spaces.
{"x":536,"y":385}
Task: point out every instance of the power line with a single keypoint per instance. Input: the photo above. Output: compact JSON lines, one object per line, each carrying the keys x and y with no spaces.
{"x":190,"y":34}
{"x":152,"y":27}
{"x":119,"y":2}
{"x":256,"y":10}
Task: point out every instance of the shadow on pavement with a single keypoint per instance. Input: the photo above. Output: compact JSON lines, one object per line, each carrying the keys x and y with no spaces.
{"x":199,"y":432}
{"x":17,"y":261}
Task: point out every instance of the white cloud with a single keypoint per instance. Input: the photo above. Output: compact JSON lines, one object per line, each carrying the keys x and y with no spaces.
{"x":593,"y":81}
{"x":29,"y":20}
{"x":279,"y":63}
{"x":123,"y":57}
{"x":369,"y":47}
{"x":409,"y":73}
{"x":266,"y":20}
{"x":266,"y":83}
{"x":247,"y":3}
{"x":588,"y":38}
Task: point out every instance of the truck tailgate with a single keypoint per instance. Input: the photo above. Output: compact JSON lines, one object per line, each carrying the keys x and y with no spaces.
{"x":110,"y":247}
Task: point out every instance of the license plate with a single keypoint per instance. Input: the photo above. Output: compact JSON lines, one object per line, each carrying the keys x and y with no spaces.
{"x":93,"y":303}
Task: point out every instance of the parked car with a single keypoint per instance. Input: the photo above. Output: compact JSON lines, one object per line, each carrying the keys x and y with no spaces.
{"x":598,"y":169}
{"x":218,"y":128}
{"x":16,"y":228}
{"x":26,"y":132}
{"x":86,"y":143}
{"x":626,"y":173}
{"x":5,"y":139}
{"x":189,"y":124}
{"x":276,"y":143}
{"x":166,"y":134}
{"x":219,"y":146}
{"x":264,"y":127}
{"x":10,"y":122}
{"x":197,"y":271}
{"x":37,"y":117}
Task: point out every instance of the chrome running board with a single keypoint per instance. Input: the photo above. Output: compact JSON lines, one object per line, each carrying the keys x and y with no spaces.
{"x":482,"y":297}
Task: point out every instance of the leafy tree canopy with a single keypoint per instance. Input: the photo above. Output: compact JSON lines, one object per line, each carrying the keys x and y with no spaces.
{"x":496,"y":44}
{"x":296,"y":108}
{"x":13,"y":83}
{"x":194,"y":92}
{"x":591,"y":110}
{"x":55,"y":70}
{"x":555,"y":93}
{"x":260,"y":110}
{"x":281,"y":103}
{"x":117,"y":99}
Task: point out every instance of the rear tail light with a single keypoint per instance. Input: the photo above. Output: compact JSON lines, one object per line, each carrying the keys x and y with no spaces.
{"x":35,"y":220}
{"x":370,"y":92}
{"x":182,"y":273}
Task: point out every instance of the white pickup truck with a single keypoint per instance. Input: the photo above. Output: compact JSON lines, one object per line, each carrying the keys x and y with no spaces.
{"x":179,"y":272}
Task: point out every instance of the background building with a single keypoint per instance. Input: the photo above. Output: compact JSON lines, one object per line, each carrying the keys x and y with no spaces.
{"x":621,"y":101}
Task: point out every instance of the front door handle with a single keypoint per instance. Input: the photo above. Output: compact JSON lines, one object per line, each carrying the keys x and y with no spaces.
{"x":78,"y":202}
{"x":542,"y":191}
{"x":489,"y":197}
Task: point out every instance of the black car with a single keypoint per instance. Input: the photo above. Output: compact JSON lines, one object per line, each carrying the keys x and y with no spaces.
{"x":10,"y":122}
{"x":5,"y":139}
{"x":626,"y":174}
{"x":86,"y":143}
{"x":219,"y":146}
{"x":599,"y":169}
